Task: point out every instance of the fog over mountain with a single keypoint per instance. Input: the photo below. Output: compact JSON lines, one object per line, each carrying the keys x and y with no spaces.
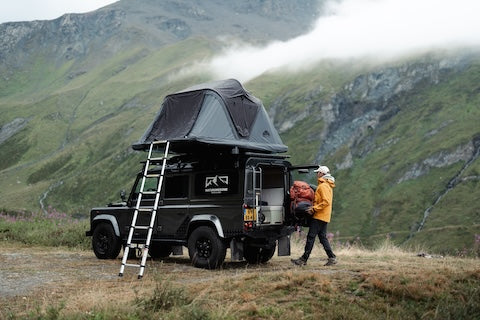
{"x":380,"y":29}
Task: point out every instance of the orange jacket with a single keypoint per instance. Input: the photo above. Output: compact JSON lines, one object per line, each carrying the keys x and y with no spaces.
{"x":322,"y":204}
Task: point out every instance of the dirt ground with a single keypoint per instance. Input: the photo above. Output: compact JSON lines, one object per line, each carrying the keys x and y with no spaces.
{"x":35,"y":277}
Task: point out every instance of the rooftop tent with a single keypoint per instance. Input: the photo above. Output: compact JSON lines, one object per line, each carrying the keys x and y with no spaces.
{"x":216,"y":113}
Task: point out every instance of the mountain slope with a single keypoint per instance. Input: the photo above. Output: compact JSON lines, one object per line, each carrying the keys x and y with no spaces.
{"x":401,"y":138}
{"x":64,"y":81}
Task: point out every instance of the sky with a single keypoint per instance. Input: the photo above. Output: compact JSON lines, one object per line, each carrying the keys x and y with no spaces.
{"x":379,"y":29}
{"x":27,"y":10}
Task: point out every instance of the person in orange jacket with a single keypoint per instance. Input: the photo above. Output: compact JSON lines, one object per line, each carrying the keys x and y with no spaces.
{"x":321,"y":212}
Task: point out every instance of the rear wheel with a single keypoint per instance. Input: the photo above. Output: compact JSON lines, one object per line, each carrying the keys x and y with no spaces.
{"x":206,"y":249}
{"x":256,"y":254}
{"x":105,"y":244}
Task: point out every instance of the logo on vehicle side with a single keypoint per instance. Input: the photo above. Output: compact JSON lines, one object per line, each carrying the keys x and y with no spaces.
{"x":216,"y":184}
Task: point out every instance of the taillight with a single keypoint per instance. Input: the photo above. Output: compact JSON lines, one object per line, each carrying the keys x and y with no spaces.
{"x":248,"y":225}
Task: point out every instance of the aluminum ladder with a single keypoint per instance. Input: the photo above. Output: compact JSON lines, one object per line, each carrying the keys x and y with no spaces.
{"x":146,"y":210}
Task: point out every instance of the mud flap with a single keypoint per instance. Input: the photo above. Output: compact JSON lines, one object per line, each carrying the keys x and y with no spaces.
{"x":236,"y":249}
{"x":177,"y":250}
{"x":284,"y":246}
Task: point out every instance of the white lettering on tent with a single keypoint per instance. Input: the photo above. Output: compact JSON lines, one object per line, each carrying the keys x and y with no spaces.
{"x":216,"y":184}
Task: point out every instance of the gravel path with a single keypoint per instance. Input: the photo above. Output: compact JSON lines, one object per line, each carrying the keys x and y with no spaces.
{"x":23,"y":269}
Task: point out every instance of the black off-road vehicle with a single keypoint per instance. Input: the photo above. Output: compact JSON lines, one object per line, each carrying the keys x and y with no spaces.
{"x":226,"y":185}
{"x":239,"y":202}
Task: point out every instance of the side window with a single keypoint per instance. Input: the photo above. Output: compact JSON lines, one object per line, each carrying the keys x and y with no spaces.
{"x":150,"y":185}
{"x":176,"y":187}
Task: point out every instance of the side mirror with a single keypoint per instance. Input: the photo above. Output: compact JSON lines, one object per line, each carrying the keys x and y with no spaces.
{"x":123,"y":195}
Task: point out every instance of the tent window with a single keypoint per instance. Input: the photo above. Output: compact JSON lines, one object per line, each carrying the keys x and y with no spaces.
{"x":243,"y":113}
{"x":177,"y":116}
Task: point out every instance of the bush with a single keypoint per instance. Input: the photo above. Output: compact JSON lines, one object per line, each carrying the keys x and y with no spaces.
{"x":44,"y":229}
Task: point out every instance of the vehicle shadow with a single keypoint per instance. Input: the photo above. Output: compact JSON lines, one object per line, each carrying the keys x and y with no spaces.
{"x":227,"y":265}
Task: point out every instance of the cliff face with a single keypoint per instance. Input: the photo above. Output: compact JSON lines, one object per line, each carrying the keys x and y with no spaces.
{"x":365,"y":103}
{"x":107,"y":31}
{"x":402,"y":140}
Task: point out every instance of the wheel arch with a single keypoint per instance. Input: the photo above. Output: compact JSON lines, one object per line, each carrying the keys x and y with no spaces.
{"x":206,"y":220}
{"x":107,"y":218}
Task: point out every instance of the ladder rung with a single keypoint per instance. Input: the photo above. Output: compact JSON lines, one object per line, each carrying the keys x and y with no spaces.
{"x":142,"y":227}
{"x":148,"y":192}
{"x":157,"y":159}
{"x":152,"y":175}
{"x":159,"y":142}
{"x":145,"y":209}
{"x":135,"y":246}
{"x":132,"y":265}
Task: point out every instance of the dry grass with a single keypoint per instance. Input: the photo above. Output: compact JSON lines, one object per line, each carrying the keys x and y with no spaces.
{"x":366,"y":284}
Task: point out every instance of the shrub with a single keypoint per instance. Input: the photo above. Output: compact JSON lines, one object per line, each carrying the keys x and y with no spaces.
{"x":52,"y":228}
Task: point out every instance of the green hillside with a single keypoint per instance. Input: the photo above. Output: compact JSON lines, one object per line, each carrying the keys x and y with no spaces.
{"x":74,"y":152}
{"x":373,"y":199}
{"x":79,"y":133}
{"x":432,"y":120}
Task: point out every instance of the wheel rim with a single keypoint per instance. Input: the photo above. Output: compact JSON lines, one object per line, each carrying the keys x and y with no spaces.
{"x":204,"y":248}
{"x":102,"y":242}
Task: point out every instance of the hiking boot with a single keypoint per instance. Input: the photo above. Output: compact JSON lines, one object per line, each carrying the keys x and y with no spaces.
{"x":331,"y":262}
{"x":299,"y":262}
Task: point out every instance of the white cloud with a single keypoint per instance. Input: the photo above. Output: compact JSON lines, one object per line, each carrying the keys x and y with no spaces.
{"x":27,"y":10}
{"x":362,"y":28}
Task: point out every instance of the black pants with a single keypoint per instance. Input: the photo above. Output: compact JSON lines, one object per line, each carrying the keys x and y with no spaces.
{"x":317,"y":227}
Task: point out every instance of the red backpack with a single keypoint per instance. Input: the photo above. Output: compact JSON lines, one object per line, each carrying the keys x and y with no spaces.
{"x":301,"y":191}
{"x":301,"y":196}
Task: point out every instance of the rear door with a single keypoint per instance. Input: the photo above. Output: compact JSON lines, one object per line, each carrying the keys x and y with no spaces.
{"x":266,"y":184}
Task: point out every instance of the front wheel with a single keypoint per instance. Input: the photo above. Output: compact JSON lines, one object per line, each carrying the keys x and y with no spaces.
{"x":206,"y":249}
{"x":105,"y":244}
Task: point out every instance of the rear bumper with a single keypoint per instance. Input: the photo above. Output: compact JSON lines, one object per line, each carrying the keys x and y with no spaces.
{"x":270,"y":232}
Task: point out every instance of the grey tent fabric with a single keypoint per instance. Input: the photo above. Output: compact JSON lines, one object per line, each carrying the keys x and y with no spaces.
{"x":216,"y":113}
{"x":180,"y":113}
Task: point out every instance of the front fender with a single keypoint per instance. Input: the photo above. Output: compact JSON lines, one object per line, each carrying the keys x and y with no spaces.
{"x":111,"y":219}
{"x":211,"y":219}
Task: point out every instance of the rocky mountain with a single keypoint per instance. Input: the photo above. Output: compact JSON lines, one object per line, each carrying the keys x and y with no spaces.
{"x":107,"y":31}
{"x":402,"y":138}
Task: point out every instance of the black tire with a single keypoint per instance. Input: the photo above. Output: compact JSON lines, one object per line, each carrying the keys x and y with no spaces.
{"x":206,"y":249}
{"x":256,"y":255}
{"x":105,"y":244}
{"x":158,"y":250}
